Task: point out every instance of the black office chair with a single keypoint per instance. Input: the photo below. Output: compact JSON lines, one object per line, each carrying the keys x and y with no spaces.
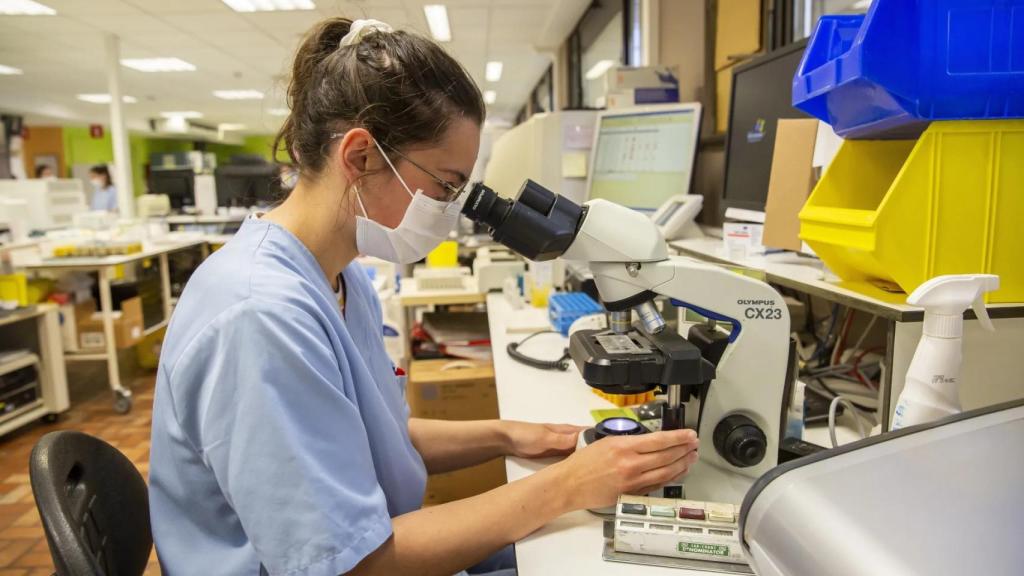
{"x":94,"y":506}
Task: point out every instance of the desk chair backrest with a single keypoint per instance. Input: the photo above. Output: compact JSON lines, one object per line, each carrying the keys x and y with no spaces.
{"x":94,"y":506}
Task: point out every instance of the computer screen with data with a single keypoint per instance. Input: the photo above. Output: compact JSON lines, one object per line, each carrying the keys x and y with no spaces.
{"x":643,"y":156}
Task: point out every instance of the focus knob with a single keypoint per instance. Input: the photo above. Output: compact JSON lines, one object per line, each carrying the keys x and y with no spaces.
{"x":740,"y":441}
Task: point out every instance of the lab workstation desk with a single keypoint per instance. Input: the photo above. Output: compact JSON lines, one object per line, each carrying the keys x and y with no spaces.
{"x":573,"y":543}
{"x":992,"y":362}
{"x":180,"y":221}
{"x":104,"y":267}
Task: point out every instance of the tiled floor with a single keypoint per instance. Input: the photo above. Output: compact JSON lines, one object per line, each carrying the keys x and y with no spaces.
{"x":23,"y":550}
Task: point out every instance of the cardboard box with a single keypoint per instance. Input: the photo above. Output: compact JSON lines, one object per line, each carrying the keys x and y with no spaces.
{"x":723,"y":96}
{"x":631,"y":77}
{"x":737,"y":32}
{"x":128,"y":325}
{"x":456,"y":390}
{"x":792,"y":179}
{"x":452,"y":390}
{"x":465,"y":483}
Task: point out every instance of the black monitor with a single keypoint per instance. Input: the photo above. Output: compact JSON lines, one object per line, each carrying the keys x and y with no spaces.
{"x":178,"y":184}
{"x":248,"y":185}
{"x":762,"y":93}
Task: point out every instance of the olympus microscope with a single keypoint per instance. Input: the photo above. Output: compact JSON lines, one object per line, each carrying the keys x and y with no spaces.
{"x":729,"y":387}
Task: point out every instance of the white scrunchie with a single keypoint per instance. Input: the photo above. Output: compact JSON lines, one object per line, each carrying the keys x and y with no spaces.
{"x":361,"y":28}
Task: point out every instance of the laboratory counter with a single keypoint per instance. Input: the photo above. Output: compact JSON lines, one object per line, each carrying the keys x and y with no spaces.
{"x":806,"y":274}
{"x":989,"y":357}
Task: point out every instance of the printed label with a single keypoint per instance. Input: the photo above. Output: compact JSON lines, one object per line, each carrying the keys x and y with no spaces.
{"x":92,"y":340}
{"x":706,"y":549}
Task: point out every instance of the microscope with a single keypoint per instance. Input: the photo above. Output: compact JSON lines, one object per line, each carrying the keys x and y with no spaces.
{"x":728,"y":386}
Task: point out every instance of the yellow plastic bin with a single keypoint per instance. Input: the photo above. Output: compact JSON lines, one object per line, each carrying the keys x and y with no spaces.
{"x":14,"y":289}
{"x":904,"y":211}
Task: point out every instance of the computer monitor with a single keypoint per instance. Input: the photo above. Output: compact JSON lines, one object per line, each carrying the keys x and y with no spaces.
{"x":762,"y":93}
{"x":643,"y":156}
{"x":248,"y":185}
{"x":178,"y":184}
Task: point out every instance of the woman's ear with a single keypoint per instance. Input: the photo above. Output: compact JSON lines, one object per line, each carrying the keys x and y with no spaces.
{"x":353,"y":153}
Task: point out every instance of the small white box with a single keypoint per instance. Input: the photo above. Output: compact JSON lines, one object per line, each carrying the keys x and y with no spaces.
{"x":742,"y":240}
{"x":627,"y":78}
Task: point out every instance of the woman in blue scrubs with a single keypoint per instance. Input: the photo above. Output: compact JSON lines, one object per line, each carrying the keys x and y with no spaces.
{"x":282,"y":442}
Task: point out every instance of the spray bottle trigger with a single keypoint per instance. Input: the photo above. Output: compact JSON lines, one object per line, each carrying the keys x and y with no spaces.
{"x":982,"y":313}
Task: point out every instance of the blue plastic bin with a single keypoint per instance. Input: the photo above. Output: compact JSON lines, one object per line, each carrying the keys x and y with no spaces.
{"x":886,"y":75}
{"x":564,"y":308}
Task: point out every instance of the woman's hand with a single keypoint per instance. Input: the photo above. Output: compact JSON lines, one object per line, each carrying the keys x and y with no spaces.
{"x":528,"y":440}
{"x":615,"y":465}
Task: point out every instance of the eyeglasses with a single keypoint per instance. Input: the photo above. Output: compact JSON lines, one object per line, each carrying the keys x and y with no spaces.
{"x":452,"y":193}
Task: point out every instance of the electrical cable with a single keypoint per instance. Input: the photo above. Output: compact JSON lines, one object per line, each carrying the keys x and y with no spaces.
{"x":828,"y":333}
{"x":864,"y":334}
{"x":857,"y":359}
{"x":837,"y":352}
{"x":832,"y":418}
{"x":562,"y":364}
{"x":830,"y":392}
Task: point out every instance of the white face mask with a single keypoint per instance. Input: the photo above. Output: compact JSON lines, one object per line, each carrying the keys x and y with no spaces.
{"x":96,"y":182}
{"x":427,"y":222}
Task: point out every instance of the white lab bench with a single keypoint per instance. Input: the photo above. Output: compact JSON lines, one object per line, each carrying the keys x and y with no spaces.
{"x":104,"y":267}
{"x":992,"y":360}
{"x":187,"y":219}
{"x":53,"y":384}
{"x":571,"y":544}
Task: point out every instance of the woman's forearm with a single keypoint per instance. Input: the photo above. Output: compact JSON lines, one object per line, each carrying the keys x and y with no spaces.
{"x":447,"y":445}
{"x":445,"y":539}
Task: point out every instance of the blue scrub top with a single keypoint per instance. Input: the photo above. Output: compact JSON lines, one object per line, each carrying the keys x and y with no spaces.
{"x":280,"y":431}
{"x":104,"y":199}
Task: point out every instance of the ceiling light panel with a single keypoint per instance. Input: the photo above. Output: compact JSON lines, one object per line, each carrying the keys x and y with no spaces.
{"x":25,"y":8}
{"x":490,"y":96}
{"x":190,"y":114}
{"x":104,"y":98}
{"x":238,"y":94}
{"x":158,"y":64}
{"x":437,"y":21}
{"x":9,"y":70}
{"x":269,"y":5}
{"x":493,"y":71}
{"x":278,"y":111}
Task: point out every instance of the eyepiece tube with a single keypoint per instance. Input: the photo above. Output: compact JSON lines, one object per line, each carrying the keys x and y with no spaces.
{"x":539,"y":224}
{"x":484,"y":206}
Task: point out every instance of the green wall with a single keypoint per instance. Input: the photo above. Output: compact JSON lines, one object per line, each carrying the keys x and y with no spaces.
{"x":81,"y":148}
{"x":262,"y":145}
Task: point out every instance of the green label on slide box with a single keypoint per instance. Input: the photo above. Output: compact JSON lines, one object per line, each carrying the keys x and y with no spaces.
{"x":707,"y":549}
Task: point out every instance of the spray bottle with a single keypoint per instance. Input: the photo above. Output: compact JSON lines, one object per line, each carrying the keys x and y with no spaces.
{"x":932,"y":386}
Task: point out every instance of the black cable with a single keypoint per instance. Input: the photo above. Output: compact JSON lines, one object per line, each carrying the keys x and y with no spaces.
{"x":821,"y":382}
{"x":561,"y":364}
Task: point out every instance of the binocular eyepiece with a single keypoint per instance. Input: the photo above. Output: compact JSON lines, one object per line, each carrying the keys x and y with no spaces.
{"x":538,"y":224}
